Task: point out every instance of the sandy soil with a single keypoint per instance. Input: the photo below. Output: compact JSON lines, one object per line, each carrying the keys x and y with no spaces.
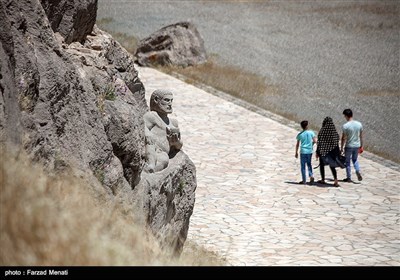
{"x":323,"y":56}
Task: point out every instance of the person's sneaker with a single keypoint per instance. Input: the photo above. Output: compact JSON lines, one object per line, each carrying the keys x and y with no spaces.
{"x":311,"y":180}
{"x":302,"y":183}
{"x":347,"y":180}
{"x":359,"y":177}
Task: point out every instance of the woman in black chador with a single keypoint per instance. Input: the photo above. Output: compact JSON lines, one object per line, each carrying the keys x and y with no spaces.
{"x":328,"y":149}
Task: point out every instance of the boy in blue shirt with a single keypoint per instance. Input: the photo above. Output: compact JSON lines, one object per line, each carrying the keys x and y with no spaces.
{"x":305,"y":139}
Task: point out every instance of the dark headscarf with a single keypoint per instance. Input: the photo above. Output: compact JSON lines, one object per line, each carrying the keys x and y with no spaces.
{"x":328,"y":138}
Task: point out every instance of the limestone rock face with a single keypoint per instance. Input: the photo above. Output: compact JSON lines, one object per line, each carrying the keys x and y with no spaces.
{"x":73,"y":100}
{"x":10,"y":116}
{"x":73,"y":19}
{"x":109,"y":72}
{"x":61,"y":93}
{"x":177,"y":44}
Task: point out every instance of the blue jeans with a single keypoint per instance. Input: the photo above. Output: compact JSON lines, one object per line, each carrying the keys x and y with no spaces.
{"x":305,"y":159}
{"x":351,"y":155}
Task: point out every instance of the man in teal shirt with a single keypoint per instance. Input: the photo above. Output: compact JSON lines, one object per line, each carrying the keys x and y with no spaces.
{"x":305,"y":140}
{"x":353,"y":137}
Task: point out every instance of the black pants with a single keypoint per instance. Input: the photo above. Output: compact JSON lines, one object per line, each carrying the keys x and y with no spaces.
{"x":332,"y":154}
{"x":322,"y":171}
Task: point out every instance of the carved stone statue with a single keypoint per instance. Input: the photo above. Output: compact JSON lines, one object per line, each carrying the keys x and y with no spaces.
{"x":163,"y":138}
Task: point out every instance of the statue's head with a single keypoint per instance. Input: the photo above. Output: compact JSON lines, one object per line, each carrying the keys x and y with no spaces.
{"x":161,"y":101}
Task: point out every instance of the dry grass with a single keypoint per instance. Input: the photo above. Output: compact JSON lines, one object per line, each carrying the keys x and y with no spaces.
{"x":48,"y":220}
{"x":233,"y":80}
{"x":193,"y":253}
{"x":104,"y":21}
{"x":127,"y":41}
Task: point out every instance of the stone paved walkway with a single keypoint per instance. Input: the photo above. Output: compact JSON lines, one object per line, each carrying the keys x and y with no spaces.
{"x":248,"y":207}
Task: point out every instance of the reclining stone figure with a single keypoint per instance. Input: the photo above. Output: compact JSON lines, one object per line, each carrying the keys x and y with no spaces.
{"x":163,"y":138}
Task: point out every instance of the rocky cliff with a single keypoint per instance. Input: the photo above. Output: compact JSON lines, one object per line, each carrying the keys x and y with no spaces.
{"x":71,"y":97}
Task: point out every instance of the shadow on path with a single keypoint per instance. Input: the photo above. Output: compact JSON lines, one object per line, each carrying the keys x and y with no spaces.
{"x":316,"y":184}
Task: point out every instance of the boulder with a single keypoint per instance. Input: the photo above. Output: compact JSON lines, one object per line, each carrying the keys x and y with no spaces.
{"x":177,"y":44}
{"x":73,"y":19}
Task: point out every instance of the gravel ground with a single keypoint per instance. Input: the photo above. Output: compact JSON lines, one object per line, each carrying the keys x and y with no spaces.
{"x":323,"y":56}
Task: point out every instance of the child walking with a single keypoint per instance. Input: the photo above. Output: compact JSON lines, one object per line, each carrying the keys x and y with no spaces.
{"x":305,"y":139}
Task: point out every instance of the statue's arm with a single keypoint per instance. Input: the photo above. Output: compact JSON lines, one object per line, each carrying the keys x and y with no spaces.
{"x":149,"y":120}
{"x":149,"y":123}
